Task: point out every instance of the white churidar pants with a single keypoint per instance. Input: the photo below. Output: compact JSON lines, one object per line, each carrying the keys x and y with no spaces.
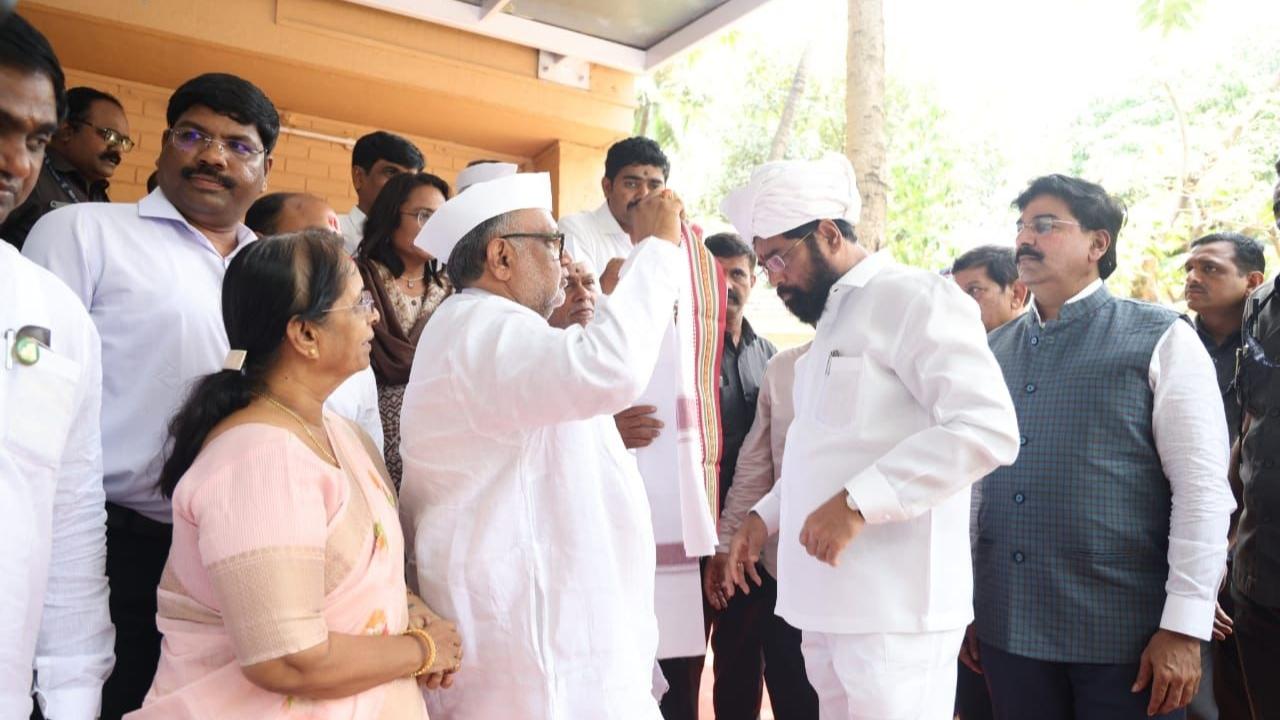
{"x":883,"y":676}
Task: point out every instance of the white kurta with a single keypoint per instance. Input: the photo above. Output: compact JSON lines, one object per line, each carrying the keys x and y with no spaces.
{"x":528,"y":520}
{"x":900,"y":403}
{"x":53,"y":590}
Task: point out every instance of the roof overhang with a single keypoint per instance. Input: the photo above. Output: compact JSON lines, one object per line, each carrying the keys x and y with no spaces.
{"x":493,"y":18}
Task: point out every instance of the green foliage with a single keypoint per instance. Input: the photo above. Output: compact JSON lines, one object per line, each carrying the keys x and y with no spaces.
{"x":1168,"y":15}
{"x":1133,"y":145}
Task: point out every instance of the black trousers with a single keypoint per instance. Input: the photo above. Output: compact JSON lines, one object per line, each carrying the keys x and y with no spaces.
{"x":1228,"y":679}
{"x":973,"y":702}
{"x":754,"y":647}
{"x":137,"y":549}
{"x":1023,"y":687}
{"x":1257,"y":633}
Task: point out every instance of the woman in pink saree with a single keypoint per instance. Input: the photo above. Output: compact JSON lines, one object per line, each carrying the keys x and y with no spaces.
{"x":284,"y":593}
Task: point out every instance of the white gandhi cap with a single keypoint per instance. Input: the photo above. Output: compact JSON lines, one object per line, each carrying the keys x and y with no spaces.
{"x":482,"y":201}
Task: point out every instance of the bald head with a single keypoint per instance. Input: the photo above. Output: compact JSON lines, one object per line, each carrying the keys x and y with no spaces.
{"x":279,"y":213}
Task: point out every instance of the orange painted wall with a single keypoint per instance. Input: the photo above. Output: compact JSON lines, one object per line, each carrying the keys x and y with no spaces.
{"x":341,"y":69}
{"x":301,"y":164}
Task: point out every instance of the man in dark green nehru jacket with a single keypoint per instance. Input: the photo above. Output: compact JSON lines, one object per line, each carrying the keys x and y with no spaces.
{"x":1101,"y":549}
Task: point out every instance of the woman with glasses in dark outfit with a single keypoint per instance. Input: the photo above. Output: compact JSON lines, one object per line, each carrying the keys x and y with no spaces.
{"x":407,"y":286}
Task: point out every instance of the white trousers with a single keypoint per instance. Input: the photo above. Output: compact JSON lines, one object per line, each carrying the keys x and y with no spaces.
{"x":884,"y":676}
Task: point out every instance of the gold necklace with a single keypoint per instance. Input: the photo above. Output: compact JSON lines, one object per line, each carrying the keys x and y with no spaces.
{"x":302,"y":423}
{"x":412,"y":282}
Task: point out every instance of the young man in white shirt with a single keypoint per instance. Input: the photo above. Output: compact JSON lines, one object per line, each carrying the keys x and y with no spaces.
{"x":150,"y":274}
{"x":633,"y":168}
{"x":375,"y":159}
{"x":54,"y":619}
{"x":899,"y":408}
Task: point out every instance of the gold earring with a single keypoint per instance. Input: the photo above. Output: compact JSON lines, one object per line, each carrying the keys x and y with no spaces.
{"x":314,"y":352}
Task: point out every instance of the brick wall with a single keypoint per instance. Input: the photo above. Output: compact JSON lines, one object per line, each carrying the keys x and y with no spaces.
{"x":321,"y":167}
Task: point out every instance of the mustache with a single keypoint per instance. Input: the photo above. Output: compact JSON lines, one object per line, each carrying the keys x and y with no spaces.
{"x":209,"y":172}
{"x":111,"y":155}
{"x":1027,"y":251}
{"x":1194,"y":288}
{"x":734,"y":297}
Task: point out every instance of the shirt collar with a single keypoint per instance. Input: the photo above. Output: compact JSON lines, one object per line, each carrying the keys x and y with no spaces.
{"x":357,"y":216}
{"x":63,"y":167}
{"x":860,"y":274}
{"x":1087,"y":291}
{"x":1232,"y":341}
{"x":747,"y":339}
{"x":607,"y":222}
{"x":157,"y":206}
{"x":482,"y":294}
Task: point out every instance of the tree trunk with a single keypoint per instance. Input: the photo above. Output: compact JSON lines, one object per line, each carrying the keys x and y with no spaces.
{"x":864,"y":115}
{"x":783,"y":135}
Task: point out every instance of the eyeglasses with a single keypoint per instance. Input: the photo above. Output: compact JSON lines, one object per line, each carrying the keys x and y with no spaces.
{"x":1043,"y":224}
{"x":362,"y":307}
{"x":422,"y":216}
{"x":556,"y":238}
{"x":191,"y":141}
{"x":776,"y":262}
{"x":111,"y":137}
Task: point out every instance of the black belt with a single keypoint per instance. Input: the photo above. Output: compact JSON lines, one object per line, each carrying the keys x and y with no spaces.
{"x":122,"y":518}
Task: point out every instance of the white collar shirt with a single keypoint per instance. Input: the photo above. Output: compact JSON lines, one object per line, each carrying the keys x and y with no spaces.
{"x":152,"y":283}
{"x":900,"y":405}
{"x":352,"y":227}
{"x":595,"y":237}
{"x":53,"y":600}
{"x":356,"y":399}
{"x":1085,"y":292}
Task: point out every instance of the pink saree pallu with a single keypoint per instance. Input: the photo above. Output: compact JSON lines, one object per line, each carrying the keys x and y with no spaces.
{"x":681,"y":468}
{"x":273,"y":549}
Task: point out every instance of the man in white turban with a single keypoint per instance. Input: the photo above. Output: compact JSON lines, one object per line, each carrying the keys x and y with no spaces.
{"x":899,"y":407}
{"x":526,"y":516}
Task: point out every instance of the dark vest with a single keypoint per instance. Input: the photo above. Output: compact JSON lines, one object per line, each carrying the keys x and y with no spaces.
{"x":1070,"y":563}
{"x":1256,"y":570}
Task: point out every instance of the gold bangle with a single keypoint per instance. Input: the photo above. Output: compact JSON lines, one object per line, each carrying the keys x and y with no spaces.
{"x":429,"y":645}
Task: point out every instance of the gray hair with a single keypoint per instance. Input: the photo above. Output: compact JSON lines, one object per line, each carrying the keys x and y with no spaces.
{"x":466,"y":262}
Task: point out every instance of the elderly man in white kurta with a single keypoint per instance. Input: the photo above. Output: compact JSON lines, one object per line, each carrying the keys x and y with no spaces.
{"x":527,"y":517}
{"x":899,"y":408}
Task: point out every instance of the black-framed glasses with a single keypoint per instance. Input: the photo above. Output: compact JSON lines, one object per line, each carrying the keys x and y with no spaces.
{"x":111,"y":137}
{"x":192,"y":141}
{"x":556,"y":238}
{"x":422,"y":216}
{"x":777,"y":262}
{"x":1043,"y":224}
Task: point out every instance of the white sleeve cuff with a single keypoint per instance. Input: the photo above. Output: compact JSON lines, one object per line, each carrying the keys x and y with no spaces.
{"x":770,"y":511}
{"x":75,"y":703}
{"x":1189,"y":616}
{"x":874,"y":497}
